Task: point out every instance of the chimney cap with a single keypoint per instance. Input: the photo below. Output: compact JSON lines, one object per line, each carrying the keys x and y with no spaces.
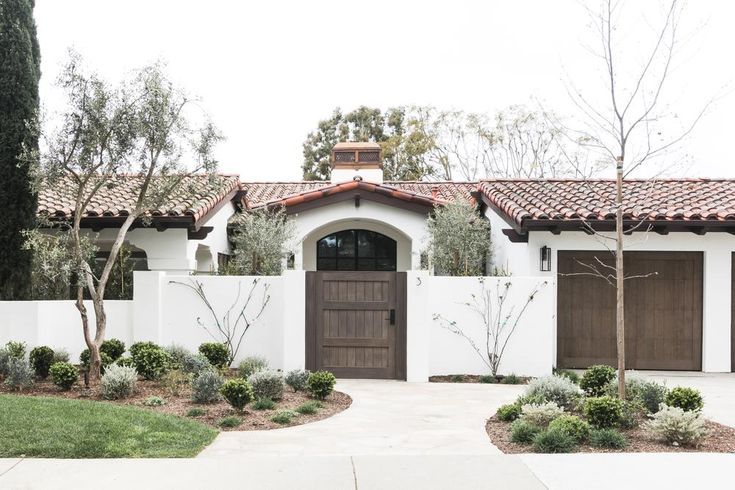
{"x":357,"y":155}
{"x":356,"y":145}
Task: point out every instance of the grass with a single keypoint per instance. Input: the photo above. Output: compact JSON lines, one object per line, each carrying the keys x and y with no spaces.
{"x":196,"y":412}
{"x":284,"y":416}
{"x":308,"y":408}
{"x":230,"y":421}
{"x":263,"y":404}
{"x":59,"y":428}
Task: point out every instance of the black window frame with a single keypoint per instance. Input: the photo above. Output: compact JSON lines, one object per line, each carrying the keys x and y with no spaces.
{"x":378,"y":252}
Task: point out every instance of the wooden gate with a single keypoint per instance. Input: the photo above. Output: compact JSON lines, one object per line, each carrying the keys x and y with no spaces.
{"x":356,"y":324}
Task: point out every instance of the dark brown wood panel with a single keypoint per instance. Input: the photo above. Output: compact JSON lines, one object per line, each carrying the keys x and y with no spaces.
{"x":348,"y":323}
{"x":732,"y":312}
{"x":663,"y":311}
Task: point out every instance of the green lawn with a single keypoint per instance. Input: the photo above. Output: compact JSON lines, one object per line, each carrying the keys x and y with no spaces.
{"x":59,"y":428}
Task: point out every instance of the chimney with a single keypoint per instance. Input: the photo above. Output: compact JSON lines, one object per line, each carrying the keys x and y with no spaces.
{"x":357,"y":161}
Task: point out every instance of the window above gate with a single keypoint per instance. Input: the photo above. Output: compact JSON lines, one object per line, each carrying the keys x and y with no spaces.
{"x":356,"y":250}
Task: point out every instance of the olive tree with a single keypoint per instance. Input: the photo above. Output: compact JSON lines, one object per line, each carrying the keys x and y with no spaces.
{"x":259,"y":239}
{"x":459,"y":240}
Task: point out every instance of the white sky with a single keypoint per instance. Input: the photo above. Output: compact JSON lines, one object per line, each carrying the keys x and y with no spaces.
{"x":267,"y":71}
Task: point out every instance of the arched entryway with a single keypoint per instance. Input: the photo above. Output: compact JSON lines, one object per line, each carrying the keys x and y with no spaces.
{"x":356,"y":250}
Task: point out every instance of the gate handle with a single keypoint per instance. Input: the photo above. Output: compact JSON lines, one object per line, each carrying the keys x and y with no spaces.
{"x":392,"y":317}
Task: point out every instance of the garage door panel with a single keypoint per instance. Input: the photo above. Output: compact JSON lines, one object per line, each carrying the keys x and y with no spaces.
{"x":663,"y":311}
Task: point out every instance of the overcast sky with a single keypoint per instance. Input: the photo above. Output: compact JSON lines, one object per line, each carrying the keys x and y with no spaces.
{"x":268,"y":71}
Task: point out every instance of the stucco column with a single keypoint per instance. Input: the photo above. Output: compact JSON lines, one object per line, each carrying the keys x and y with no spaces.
{"x":293,"y":317}
{"x":716,"y":306}
{"x":147,"y":305}
{"x":418,"y":321}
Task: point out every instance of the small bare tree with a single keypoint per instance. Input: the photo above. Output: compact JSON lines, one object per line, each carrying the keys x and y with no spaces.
{"x":132,"y":135}
{"x":231,"y":327}
{"x":629,"y":129}
{"x":499,"y":321}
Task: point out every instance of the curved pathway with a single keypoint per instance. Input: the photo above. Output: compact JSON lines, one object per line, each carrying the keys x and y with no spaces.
{"x":386,"y":417}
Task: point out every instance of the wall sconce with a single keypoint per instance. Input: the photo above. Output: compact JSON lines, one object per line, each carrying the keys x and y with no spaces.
{"x":545,"y":265}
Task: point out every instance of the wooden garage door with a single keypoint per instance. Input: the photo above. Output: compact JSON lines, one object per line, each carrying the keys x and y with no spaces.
{"x":663,"y":312}
{"x":355,"y":323}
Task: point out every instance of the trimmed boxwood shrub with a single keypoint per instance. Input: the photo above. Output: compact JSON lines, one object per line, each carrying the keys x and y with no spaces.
{"x":41,"y":358}
{"x":572,"y":425}
{"x":595,"y":379}
{"x":688,"y":399}
{"x":137,"y":346}
{"x":523,"y":432}
{"x":509,"y":412}
{"x":603,"y":412}
{"x":237,"y":392}
{"x":607,"y":439}
{"x":216,"y":353}
{"x":321,"y":384}
{"x":64,"y":375}
{"x":114,"y":348}
{"x":150,"y":360}
{"x":554,"y":441}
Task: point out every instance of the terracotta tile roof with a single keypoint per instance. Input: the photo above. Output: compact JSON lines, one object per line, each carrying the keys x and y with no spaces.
{"x":692,"y":200}
{"x":270,"y":193}
{"x":195,"y":197}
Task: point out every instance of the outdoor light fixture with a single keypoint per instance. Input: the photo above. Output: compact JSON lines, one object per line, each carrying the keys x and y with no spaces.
{"x":545,"y":259}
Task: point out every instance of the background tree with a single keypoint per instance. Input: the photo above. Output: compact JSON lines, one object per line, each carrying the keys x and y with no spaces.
{"x":632,"y":127}
{"x":459,"y":240}
{"x":135,"y":133}
{"x":259,"y":240}
{"x":20,"y":71}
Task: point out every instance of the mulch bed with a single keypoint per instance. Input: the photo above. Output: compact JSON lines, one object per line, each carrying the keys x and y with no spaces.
{"x":720,"y":439}
{"x":181,"y":404}
{"x":470,"y":378}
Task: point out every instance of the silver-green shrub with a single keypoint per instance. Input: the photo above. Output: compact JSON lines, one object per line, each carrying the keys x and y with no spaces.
{"x":61,"y":355}
{"x":676,"y":426}
{"x":205,"y":387}
{"x":267,"y":384}
{"x":557,"y":389}
{"x":298,"y":379}
{"x":540,"y":415}
{"x":118,"y":382}
{"x":251,"y":365}
{"x":4,"y":359}
{"x":194,"y":364}
{"x":19,"y":373}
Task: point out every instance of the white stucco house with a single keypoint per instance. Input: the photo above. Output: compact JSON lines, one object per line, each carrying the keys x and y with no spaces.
{"x":359,"y":301}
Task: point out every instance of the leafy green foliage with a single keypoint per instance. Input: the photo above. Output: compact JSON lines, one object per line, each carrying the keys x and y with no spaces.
{"x":297,"y":379}
{"x":595,"y":378}
{"x":41,"y":358}
{"x":263,"y":404}
{"x":19,"y":374}
{"x":177,"y":355}
{"x":205,"y":387}
{"x":267,"y":384}
{"x":15,"y":349}
{"x":509,"y":412}
{"x":523,"y":432}
{"x":309,"y":407}
{"x":603,"y":412}
{"x":4,"y":360}
{"x":118,"y":382}
{"x":151,"y":361}
{"x":84,"y":359}
{"x":230,"y":422}
{"x":688,"y":399}
{"x":216,"y":353}
{"x":571,"y":425}
{"x":631,"y":411}
{"x":570,"y":375}
{"x":459,"y":240}
{"x":321,"y":384}
{"x":511,"y":379}
{"x":175,"y":381}
{"x":250,"y":365}
{"x":154,"y":401}
{"x":64,"y":375}
{"x":554,"y":441}
{"x":607,"y":439}
{"x":114,"y":348}
{"x":259,"y":239}
{"x":20,"y":71}
{"x":61,"y":355}
{"x":284,"y":416}
{"x":195,"y":364}
{"x":457,"y":378}
{"x":196,"y":412}
{"x":651,"y":395}
{"x":488,"y":379}
{"x":237,"y":392}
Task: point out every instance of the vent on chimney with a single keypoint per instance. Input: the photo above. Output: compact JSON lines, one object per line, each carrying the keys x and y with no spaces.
{"x":351,"y":160}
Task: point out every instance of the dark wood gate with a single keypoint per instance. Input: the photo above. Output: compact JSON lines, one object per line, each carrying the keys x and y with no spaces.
{"x":663,"y":312}
{"x":356,"y":324}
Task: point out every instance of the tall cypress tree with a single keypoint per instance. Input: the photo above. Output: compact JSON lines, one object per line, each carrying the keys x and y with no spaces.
{"x":20,"y":70}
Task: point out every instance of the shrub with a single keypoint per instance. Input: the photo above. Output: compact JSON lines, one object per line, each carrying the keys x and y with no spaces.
{"x":85,"y":357}
{"x":595,"y":379}
{"x":61,"y":355}
{"x":150,"y":361}
{"x":175,"y":382}
{"x":603,"y":412}
{"x":41,"y":359}
{"x":264,"y":404}
{"x":298,"y":379}
{"x":20,"y":373}
{"x":677,"y":426}
{"x":687,"y":399}
{"x":267,"y":384}
{"x":488,"y":379}
{"x":216,"y":353}
{"x":570,"y":375}
{"x":555,"y":389}
{"x":553,"y":441}
{"x":523,"y":432}
{"x":571,"y":425}
{"x":16,"y":350}
{"x":651,"y":395}
{"x":251,"y":365}
{"x":457,"y":378}
{"x":607,"y":439}
{"x":154,"y":401}
{"x":205,"y":387}
{"x":114,"y":348}
{"x":309,"y":407}
{"x":630,"y":411}
{"x":284,"y":416}
{"x":509,"y":412}
{"x":118,"y":382}
{"x":196,"y":412}
{"x":541,"y":415}
{"x":195,"y":364}
{"x":230,"y":422}
{"x":126,"y":362}
{"x":321,"y":384}
{"x":511,"y":379}
{"x":4,"y":359}
{"x":237,"y":392}
{"x":177,"y":354}
{"x":63,"y":375}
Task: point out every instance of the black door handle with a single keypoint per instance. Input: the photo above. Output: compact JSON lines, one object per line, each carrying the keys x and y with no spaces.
{"x":392,"y":317}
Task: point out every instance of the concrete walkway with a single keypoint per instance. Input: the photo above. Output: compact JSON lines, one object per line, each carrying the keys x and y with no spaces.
{"x":386,"y":417}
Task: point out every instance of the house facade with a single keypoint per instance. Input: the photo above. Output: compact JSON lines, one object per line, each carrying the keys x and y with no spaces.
{"x":359,"y":298}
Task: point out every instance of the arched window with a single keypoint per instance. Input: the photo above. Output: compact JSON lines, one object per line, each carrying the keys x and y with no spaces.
{"x":356,"y":250}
